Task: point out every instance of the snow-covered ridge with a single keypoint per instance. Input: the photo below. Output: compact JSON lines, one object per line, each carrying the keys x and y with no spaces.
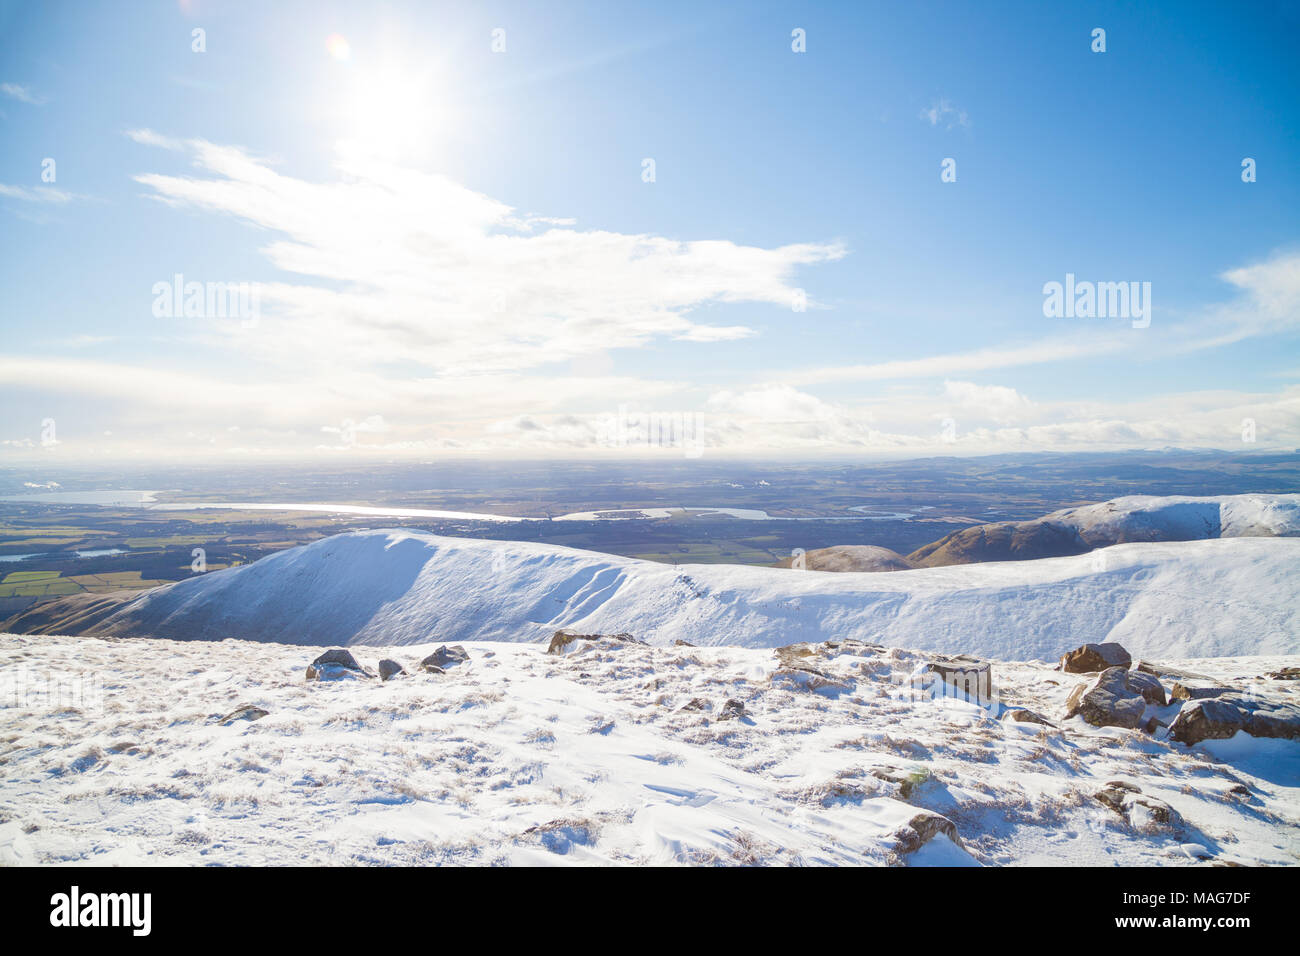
{"x":1118,"y":521}
{"x":1176,"y":517}
{"x":391,"y":587}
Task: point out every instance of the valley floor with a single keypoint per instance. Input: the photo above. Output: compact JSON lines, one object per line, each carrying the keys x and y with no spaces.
{"x":112,"y":751}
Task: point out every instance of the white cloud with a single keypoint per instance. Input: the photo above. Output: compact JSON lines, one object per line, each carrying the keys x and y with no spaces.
{"x":998,"y":403}
{"x":21,"y":93}
{"x":423,"y":267}
{"x":40,"y":194}
{"x":943,"y":113}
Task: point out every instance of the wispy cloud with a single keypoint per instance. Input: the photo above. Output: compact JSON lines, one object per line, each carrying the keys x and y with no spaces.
{"x":943,"y":113}
{"x":21,"y":93}
{"x":420,"y":266}
{"x":38,"y":194}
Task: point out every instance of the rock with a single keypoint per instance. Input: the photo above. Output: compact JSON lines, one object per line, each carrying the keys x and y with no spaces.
{"x":697,"y":703}
{"x":244,"y":712}
{"x":1154,"y":726}
{"x":732,"y":710}
{"x":1184,"y":692}
{"x":432,"y":669}
{"x":921,"y":829}
{"x":565,"y":643}
{"x":795,"y":654}
{"x":1021,"y":716}
{"x":1095,"y":657}
{"x":1144,"y":813}
{"x":336,"y":664}
{"x":1286,"y":673}
{"x":810,"y":679}
{"x":1108,"y":700}
{"x":1152,"y":691}
{"x":907,"y":780}
{"x":1221,"y":717}
{"x":388,"y":669}
{"x":966,"y":678}
{"x":445,"y":657}
{"x":680,"y":643}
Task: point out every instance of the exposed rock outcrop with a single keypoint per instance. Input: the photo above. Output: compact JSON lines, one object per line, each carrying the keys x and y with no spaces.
{"x":1114,"y":698}
{"x":1095,"y":657}
{"x":1221,"y":717}
{"x":336,"y":664}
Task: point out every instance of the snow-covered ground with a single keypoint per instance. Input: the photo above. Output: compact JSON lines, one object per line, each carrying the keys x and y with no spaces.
{"x":1218,"y":597}
{"x":522,"y":757}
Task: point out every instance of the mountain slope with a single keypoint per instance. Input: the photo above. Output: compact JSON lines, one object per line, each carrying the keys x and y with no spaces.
{"x":851,"y":557}
{"x":1118,"y":521}
{"x":1200,"y":598}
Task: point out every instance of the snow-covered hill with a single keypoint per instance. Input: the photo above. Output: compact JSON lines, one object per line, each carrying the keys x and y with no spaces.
{"x":1120,"y":520}
{"x":1191,"y":599}
{"x":616,"y":753}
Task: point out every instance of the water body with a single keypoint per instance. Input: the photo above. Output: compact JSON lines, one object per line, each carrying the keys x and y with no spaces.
{"x":94,"y":553}
{"x":147,"y":499}
{"x":114,"y":497}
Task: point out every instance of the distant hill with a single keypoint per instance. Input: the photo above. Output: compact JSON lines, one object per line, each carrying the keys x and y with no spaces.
{"x":851,"y":557}
{"x":1118,"y":521}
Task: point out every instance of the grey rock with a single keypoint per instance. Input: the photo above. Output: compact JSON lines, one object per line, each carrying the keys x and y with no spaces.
{"x":1108,"y":700}
{"x":1095,"y":657}
{"x":445,"y":657}
{"x":244,"y":712}
{"x":336,"y":664}
{"x":1020,"y":715}
{"x":923,"y":828}
{"x":1185,"y":692}
{"x":1221,"y":717}
{"x":388,"y":669}
{"x":732,"y":710}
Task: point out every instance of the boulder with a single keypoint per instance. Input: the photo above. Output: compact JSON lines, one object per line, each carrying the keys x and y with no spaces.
{"x":907,"y":780}
{"x":966,"y":678}
{"x":336,"y":664}
{"x":388,"y":669}
{"x":1095,"y":657}
{"x":1221,"y":717}
{"x":565,"y":643}
{"x":1144,"y":813}
{"x":1188,"y":692}
{"x":1021,"y":716}
{"x":244,"y":712}
{"x":696,"y":703}
{"x":732,"y":710}
{"x":1152,"y":691}
{"x":445,"y":657}
{"x":1286,"y":673}
{"x":1109,"y":700}
{"x":922,"y":828}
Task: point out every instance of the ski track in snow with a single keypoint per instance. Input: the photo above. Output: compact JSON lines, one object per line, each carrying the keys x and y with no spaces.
{"x":520,"y":757}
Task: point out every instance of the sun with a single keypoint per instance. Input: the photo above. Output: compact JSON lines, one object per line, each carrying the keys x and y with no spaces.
{"x":394,"y":112}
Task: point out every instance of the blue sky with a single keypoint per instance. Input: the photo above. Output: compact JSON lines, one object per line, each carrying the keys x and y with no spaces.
{"x":456,"y":251}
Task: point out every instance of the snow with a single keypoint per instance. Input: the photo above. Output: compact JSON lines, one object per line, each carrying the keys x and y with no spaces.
{"x":1179,"y":517}
{"x":517,"y":756}
{"x":1219,"y":597}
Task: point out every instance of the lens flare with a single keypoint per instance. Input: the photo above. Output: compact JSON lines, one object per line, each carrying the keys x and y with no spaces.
{"x":338,"y":47}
